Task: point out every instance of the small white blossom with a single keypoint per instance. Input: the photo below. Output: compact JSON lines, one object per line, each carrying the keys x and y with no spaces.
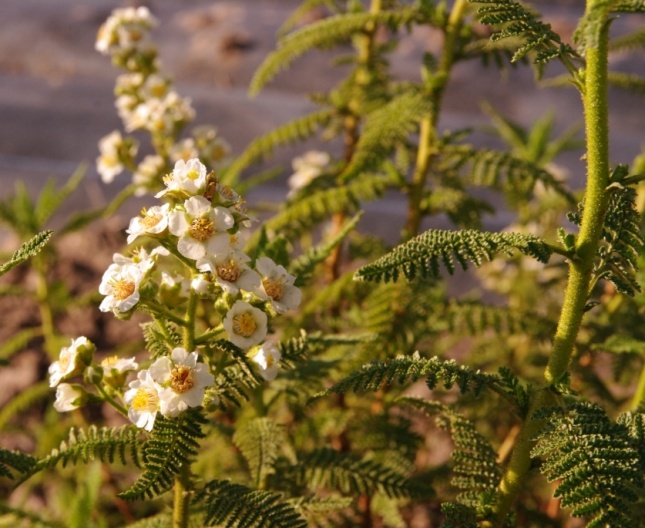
{"x":200,"y":284}
{"x":114,"y":365}
{"x":307,"y":168}
{"x":69,"y":397}
{"x":211,"y":145}
{"x":71,"y":361}
{"x":201,"y":228}
{"x":187,"y":177}
{"x":125,"y":30}
{"x":183,"y":379}
{"x":267,"y":358}
{"x":141,"y":258}
{"x":246,"y":325}
{"x":184,"y":150}
{"x":230,"y":271}
{"x":120,"y":285}
{"x":152,"y":221}
{"x":175,"y":284}
{"x":112,"y":148}
{"x":143,"y":400}
{"x":277,"y":286}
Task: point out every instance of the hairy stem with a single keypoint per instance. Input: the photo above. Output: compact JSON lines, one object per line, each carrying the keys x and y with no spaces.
{"x":581,"y":265}
{"x":181,"y":501}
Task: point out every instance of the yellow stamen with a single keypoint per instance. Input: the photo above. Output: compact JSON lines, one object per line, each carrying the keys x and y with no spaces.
{"x":181,"y":379}
{"x":244,"y":324}
{"x":274,"y":288}
{"x":149,"y":221}
{"x":201,"y":229}
{"x":145,"y":399}
{"x":122,"y":289}
{"x":229,"y":271}
{"x":110,"y":361}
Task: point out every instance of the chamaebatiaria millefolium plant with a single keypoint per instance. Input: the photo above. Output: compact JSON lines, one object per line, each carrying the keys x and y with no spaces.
{"x":249,"y":400}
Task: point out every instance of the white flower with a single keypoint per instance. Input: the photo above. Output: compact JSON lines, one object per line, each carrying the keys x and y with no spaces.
{"x":141,"y":258}
{"x":125,"y":30}
{"x":115,"y":366}
{"x":201,"y":228}
{"x":307,"y":167}
{"x":143,"y":400}
{"x":245,"y":324}
{"x":183,"y":379}
{"x":71,"y":361}
{"x":200,"y":284}
{"x":230,"y":271}
{"x":183,"y":150}
{"x":152,"y":221}
{"x":69,"y":397}
{"x":267,"y":357}
{"x":187,"y":176}
{"x":120,"y":285}
{"x":175,"y":285}
{"x":277,"y":286}
{"x":211,"y":145}
{"x":112,"y":147}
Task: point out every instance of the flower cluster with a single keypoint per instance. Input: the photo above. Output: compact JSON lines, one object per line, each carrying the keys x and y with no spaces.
{"x":147,"y":101}
{"x":198,"y":236}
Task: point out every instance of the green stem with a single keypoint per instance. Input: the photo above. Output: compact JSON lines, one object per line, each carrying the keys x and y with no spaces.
{"x":180,"y":512}
{"x":428,"y":124}
{"x":44,"y":307}
{"x":111,"y":400}
{"x":580,"y":267}
{"x":189,"y":323}
{"x":639,"y":396}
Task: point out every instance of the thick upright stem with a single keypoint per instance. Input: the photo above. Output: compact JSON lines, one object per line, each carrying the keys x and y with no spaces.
{"x":580,"y":268}
{"x":180,"y":512}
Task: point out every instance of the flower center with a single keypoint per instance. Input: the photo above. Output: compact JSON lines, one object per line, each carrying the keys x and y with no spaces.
{"x":149,"y":221}
{"x":201,"y":229}
{"x":229,"y":271}
{"x":122,"y":289}
{"x":181,"y":379}
{"x":145,"y":399}
{"x":64,"y":360}
{"x":244,"y":324}
{"x":192,"y":175}
{"x":274,"y":288}
{"x":110,"y":361}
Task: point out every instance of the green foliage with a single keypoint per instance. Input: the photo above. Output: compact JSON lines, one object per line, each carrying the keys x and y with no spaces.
{"x":352,"y":475}
{"x":476,"y":471}
{"x":519,"y":22}
{"x":16,"y":460}
{"x":322,"y":34}
{"x":172,"y":445}
{"x":106,"y":444}
{"x":423,"y":254}
{"x":598,"y":462}
{"x":30,"y":248}
{"x":401,"y":370}
{"x":623,"y":241}
{"x":291,"y":132}
{"x":260,"y":441}
{"x":228,"y":504}
{"x":384,"y":128}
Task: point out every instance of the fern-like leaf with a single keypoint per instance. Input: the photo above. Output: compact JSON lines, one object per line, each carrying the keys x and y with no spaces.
{"x":30,"y":248}
{"x":106,"y":444}
{"x":519,"y":22}
{"x":598,"y":463}
{"x":306,"y":213}
{"x":345,"y":472}
{"x":423,"y":254}
{"x":16,"y":460}
{"x":628,"y":6}
{"x":291,"y":132}
{"x":171,"y":445}
{"x":302,"y":268}
{"x":322,"y":34}
{"x":232,"y":505}
{"x":384,"y":128}
{"x":476,"y":471}
{"x":260,"y":441}
{"x":627,"y":81}
{"x":377,"y":374}
{"x":500,"y":170}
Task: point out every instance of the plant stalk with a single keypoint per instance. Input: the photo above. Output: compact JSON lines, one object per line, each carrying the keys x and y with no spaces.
{"x":427,"y":134}
{"x":580,"y":266}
